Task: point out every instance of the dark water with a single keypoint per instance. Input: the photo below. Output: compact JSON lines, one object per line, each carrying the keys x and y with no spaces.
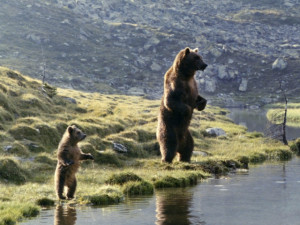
{"x":266,"y":195}
{"x":256,"y":120}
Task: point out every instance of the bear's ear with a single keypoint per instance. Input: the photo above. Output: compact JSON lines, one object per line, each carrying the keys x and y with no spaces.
{"x":187,"y":51}
{"x":70,"y":129}
{"x":196,"y":50}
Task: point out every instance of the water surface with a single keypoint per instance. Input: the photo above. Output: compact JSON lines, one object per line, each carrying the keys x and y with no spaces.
{"x":256,"y":120}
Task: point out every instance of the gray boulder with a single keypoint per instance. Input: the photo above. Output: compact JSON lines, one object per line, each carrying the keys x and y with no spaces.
{"x":243,"y":85}
{"x":279,"y":64}
{"x":215,"y":132}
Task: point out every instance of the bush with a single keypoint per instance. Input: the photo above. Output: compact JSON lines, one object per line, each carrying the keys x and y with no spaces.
{"x":295,"y":147}
{"x":109,"y":157}
{"x":122,"y":178}
{"x":137,"y":188}
{"x":11,"y":172}
{"x":45,"y":202}
{"x":103,"y":199}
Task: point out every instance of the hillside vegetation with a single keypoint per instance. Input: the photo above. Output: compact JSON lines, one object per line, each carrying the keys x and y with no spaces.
{"x":32,"y":124}
{"x":125,"y":47}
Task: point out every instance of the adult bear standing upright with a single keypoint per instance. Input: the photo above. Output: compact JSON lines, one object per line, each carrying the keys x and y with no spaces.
{"x":179,"y":100}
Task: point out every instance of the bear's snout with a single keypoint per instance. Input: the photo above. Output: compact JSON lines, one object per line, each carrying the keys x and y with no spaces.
{"x":203,"y":66}
{"x":83,"y":136}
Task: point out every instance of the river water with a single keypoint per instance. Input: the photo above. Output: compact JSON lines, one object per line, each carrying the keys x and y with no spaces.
{"x":268,"y":194}
{"x":256,"y":120}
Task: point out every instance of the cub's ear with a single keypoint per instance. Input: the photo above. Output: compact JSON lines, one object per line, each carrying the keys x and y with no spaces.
{"x":187,"y":51}
{"x":70,"y":129}
{"x":196,"y":50}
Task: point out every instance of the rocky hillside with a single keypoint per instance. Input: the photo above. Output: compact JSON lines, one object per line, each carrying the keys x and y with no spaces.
{"x":126,"y":46}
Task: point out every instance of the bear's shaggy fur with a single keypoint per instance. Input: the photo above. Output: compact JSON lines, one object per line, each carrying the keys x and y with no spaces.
{"x":69,"y":156}
{"x":179,"y":100}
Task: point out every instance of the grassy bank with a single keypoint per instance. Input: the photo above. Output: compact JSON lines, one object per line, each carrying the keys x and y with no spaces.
{"x":276,"y":114}
{"x":32,"y":124}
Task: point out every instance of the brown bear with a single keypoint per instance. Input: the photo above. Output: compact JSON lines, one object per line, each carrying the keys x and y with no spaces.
{"x":179,"y":100}
{"x":69,"y":156}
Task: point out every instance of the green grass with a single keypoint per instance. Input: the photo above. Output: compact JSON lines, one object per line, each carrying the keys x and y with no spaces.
{"x":276,"y":114}
{"x":30,"y":135}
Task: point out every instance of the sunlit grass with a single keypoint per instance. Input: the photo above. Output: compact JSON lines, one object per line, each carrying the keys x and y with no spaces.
{"x":293,"y":115}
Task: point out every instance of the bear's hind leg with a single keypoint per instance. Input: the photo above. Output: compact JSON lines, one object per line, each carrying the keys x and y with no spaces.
{"x":168,"y":145}
{"x":72,"y":188}
{"x":60,"y":182}
{"x":185,"y":149}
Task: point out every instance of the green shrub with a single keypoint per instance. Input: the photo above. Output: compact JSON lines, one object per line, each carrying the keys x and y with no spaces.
{"x":137,"y":188}
{"x":45,"y":202}
{"x":18,"y":149}
{"x":167,"y":182}
{"x":30,"y":211}
{"x":279,"y":154}
{"x":295,"y":146}
{"x":109,"y":157}
{"x":11,"y":172}
{"x":45,"y":159}
{"x":122,"y":178}
{"x":257,"y":157}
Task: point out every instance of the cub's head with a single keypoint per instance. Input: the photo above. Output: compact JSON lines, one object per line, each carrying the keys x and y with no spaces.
{"x":75,"y":134}
{"x":190,"y":60}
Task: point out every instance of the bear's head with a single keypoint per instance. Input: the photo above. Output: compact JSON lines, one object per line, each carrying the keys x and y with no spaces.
{"x":75,"y":134}
{"x":189,"y":60}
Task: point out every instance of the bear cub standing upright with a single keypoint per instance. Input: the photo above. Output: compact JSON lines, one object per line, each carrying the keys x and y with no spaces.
{"x":179,"y":100}
{"x":69,"y":156}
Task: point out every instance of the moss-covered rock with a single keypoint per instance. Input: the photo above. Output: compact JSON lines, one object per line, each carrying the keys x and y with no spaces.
{"x":122,"y":178}
{"x":45,"y":202}
{"x":18,"y":149}
{"x":10,"y":171}
{"x":44,"y":158}
{"x":23,"y":131}
{"x":295,"y":146}
{"x":109,"y":157}
{"x":137,"y":188}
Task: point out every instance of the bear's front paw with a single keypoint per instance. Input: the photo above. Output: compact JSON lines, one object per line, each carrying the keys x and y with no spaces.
{"x":200,"y":103}
{"x":68,"y":163}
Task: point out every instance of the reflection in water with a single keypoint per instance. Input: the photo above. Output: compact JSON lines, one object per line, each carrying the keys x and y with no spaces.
{"x":174,"y":207}
{"x":65,"y":215}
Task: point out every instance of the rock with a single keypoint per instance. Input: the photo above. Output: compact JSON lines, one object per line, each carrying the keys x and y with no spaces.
{"x":279,"y":64}
{"x":243,"y":85}
{"x":215,"y":132}
{"x":119,"y":148}
{"x":200,"y":153}
{"x":155,"y":67}
{"x":222,"y":72}
{"x":35,"y":148}
{"x":8,"y":148}
{"x":216,"y":52}
{"x":210,"y":85}
{"x":71,"y":100}
{"x":33,"y":37}
{"x":253,"y":107}
{"x":136,"y":91}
